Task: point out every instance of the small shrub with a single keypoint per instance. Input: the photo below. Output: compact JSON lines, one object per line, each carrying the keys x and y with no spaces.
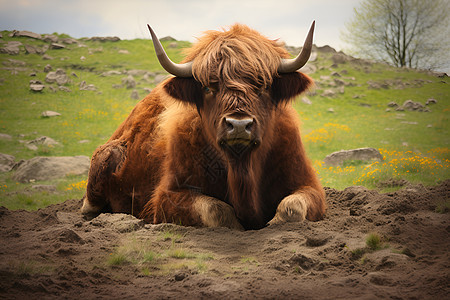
{"x":373,"y":241}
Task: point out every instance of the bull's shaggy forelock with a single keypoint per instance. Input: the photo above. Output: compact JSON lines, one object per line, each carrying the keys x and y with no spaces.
{"x":238,"y":59}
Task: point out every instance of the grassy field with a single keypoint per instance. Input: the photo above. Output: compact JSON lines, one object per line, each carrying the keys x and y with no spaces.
{"x":415,"y":145}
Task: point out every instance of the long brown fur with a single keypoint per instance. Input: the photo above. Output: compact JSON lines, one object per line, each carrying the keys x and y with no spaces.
{"x":163,"y":163}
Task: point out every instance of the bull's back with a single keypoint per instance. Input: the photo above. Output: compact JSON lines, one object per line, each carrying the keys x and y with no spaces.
{"x":139,"y":172}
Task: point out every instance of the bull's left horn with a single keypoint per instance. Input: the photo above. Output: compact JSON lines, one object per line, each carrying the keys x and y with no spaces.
{"x":179,"y":70}
{"x":292,"y":65}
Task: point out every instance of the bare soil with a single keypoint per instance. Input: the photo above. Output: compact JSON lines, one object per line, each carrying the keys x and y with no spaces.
{"x":56,"y":253}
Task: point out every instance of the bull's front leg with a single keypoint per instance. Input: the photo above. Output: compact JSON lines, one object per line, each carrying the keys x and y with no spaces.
{"x":189,"y":208}
{"x":306,"y":203}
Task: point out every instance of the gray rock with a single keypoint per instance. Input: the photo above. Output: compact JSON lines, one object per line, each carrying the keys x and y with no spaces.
{"x":328,"y":93}
{"x":14,"y":62}
{"x":40,"y":141}
{"x":29,"y":49}
{"x":7,"y":162}
{"x":57,"y":46}
{"x":104,"y":39}
{"x":11,"y":48}
{"x":4,"y":136}
{"x":124,"y":52}
{"x":50,"y":38}
{"x":134,"y":95}
{"x":68,"y":41}
{"x":65,"y":89}
{"x":59,"y":76}
{"x":44,"y":188}
{"x":35,"y":87}
{"x":159,"y":78}
{"x":29,"y":34}
{"x":431,"y":101}
{"x":129,"y":82}
{"x":364,"y":154}
{"x":47,"y":57}
{"x":110,"y":73}
{"x":306,"y":101}
{"x":49,"y":113}
{"x":48,"y":168}
{"x":87,"y":87}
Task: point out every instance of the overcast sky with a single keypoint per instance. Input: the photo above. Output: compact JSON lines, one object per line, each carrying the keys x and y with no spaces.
{"x":287,"y":20}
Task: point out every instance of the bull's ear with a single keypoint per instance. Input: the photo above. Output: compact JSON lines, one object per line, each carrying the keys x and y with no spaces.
{"x":286,"y":86}
{"x":186,"y":90}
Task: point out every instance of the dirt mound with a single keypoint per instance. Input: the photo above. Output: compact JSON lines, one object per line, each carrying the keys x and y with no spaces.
{"x":55,"y":253}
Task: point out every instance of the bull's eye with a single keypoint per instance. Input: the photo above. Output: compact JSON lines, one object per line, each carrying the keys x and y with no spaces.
{"x":207,"y":90}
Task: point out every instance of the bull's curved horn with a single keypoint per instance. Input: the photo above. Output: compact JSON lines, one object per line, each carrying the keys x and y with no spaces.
{"x":180,"y":70}
{"x":292,"y":65}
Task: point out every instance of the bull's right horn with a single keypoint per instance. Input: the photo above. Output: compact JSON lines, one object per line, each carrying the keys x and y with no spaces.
{"x":292,"y":65}
{"x":179,"y":70}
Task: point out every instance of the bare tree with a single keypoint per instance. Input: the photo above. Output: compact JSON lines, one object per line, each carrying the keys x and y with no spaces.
{"x":411,"y":33}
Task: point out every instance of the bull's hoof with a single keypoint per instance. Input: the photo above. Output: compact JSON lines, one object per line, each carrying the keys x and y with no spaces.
{"x":293,"y":208}
{"x":216,"y":213}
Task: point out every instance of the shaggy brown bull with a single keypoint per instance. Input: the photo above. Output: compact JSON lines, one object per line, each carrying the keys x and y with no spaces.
{"x":216,"y":145}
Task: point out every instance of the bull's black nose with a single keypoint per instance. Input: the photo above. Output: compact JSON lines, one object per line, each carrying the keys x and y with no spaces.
{"x":239,"y":130}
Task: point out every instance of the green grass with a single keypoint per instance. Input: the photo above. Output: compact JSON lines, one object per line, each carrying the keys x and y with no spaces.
{"x":415,"y":152}
{"x":154,"y":259}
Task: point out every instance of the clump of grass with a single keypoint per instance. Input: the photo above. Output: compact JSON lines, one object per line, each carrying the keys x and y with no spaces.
{"x":373,"y":241}
{"x":117,"y":259}
{"x":180,"y":253}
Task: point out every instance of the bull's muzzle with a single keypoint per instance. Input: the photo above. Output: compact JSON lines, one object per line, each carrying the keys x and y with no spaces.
{"x":239,"y":131}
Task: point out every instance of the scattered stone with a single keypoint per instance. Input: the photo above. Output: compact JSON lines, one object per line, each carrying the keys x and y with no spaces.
{"x":56,"y":46}
{"x":377,"y":85}
{"x":44,"y":188}
{"x":136,"y":72}
{"x":68,"y":41}
{"x":11,"y":48}
{"x":84,"y":141}
{"x":392,"y":104}
{"x":36,"y":87}
{"x":134,"y":95}
{"x":59,"y":76}
{"x":104,"y":39}
{"x":110,"y":73}
{"x":82,"y":58}
{"x":335,"y":74}
{"x":363,"y":154}
{"x":124,"y":52}
{"x":7,"y":162}
{"x":87,"y":87}
{"x":28,"y":34}
{"x":33,"y":74}
{"x":306,"y":101}
{"x":50,"y":38}
{"x":47,"y":168}
{"x":129,"y":82}
{"x":4,"y":136}
{"x":14,"y":62}
{"x":159,"y":78}
{"x":328,"y":93}
{"x":309,"y":69}
{"x":431,"y":101}
{"x":49,"y":113}
{"x":65,"y":89}
{"x":330,"y":110}
{"x":47,"y":57}
{"x":41,"y":141}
